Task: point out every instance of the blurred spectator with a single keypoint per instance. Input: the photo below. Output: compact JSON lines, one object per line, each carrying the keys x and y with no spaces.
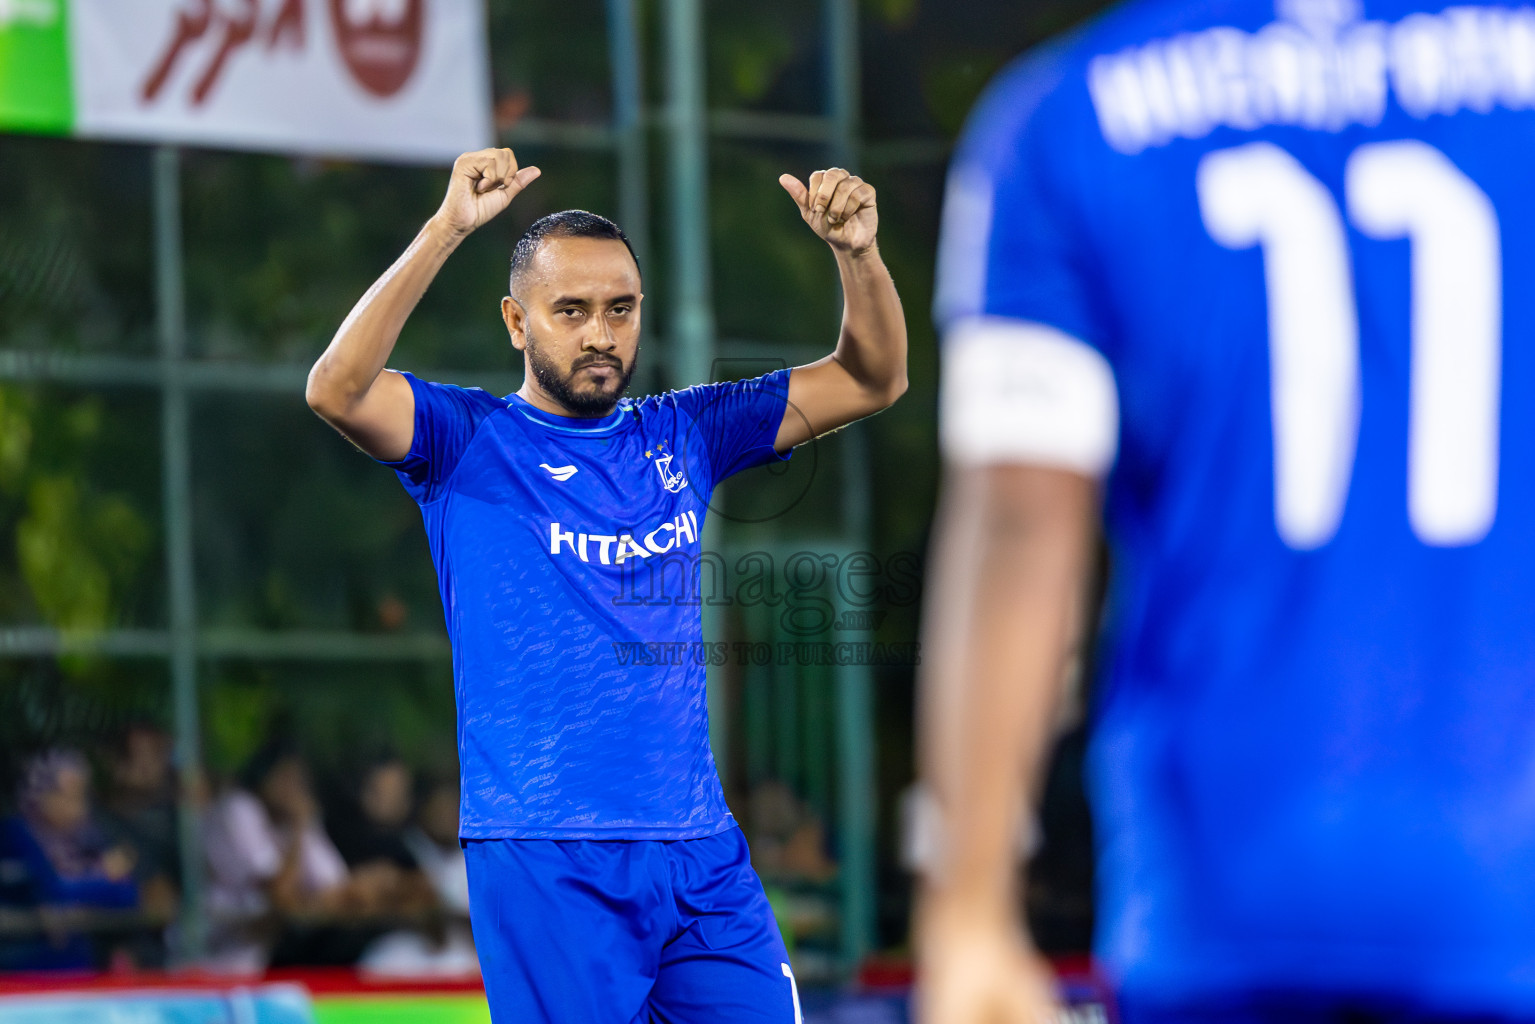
{"x":370,"y":827}
{"x":267,"y":854}
{"x":371,"y":833}
{"x":140,"y":810}
{"x":52,"y":854}
{"x":447,"y":947}
{"x":433,"y":840}
{"x":789,"y":850}
{"x":788,"y":839}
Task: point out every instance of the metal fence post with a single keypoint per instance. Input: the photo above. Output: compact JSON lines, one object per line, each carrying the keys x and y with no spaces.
{"x":176,"y":472}
{"x":692,"y":314}
{"x":690,"y":342}
{"x":629,"y":134}
{"x":857,"y":793}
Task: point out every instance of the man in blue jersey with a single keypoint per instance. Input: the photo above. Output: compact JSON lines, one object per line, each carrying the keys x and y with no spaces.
{"x":608,"y":879}
{"x":1242,"y":279}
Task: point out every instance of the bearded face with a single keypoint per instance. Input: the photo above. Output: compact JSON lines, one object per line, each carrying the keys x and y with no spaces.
{"x":591,"y":385}
{"x":575,"y":315}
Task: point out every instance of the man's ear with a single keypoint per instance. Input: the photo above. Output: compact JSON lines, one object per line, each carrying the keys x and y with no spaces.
{"x":514,"y":316}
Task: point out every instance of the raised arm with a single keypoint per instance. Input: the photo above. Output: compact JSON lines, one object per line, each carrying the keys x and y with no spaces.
{"x":1011,"y":556}
{"x":348,"y":386}
{"x":867,"y":372}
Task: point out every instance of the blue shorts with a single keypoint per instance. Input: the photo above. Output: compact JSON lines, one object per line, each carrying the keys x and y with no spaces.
{"x":575,"y":931}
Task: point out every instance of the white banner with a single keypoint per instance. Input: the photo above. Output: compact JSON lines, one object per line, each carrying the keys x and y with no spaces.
{"x":400,"y":80}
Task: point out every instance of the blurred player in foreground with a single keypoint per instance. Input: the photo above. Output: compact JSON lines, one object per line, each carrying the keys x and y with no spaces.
{"x":536,"y":505}
{"x":1251,"y":282}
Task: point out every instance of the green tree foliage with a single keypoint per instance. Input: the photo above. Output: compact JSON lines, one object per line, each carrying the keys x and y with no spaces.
{"x":72,"y":546}
{"x":79,"y":545}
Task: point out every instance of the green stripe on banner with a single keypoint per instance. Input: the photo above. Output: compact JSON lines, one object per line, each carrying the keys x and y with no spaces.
{"x":35,"y":93}
{"x":412,"y":1009}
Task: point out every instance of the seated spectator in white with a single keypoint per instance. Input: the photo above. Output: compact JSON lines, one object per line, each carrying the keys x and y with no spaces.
{"x":53,"y":854}
{"x":268,"y":856}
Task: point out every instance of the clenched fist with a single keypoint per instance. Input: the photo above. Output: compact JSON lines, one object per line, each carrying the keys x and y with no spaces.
{"x":838,"y":206}
{"x":482,"y":185}
{"x":975,"y":969}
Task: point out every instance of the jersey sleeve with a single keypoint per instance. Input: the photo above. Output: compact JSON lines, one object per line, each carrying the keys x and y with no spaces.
{"x":1025,"y":374}
{"x":737,"y":422}
{"x":446,"y":419}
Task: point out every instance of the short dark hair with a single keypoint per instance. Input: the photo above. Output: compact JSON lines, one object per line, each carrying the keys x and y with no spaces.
{"x":565,"y":224}
{"x":277,"y":749}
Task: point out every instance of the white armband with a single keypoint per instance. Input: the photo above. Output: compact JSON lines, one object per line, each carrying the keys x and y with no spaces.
{"x":1019,"y":391}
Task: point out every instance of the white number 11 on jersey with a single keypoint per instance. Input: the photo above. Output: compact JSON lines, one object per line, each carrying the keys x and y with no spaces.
{"x":1258,"y":194}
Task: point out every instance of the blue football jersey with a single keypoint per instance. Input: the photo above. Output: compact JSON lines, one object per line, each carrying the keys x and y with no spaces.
{"x":1263,"y":269}
{"x":567,"y":553}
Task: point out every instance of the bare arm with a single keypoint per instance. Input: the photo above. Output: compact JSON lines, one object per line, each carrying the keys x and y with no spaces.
{"x":1011,"y":556}
{"x":286,"y":888}
{"x":348,"y":386}
{"x":297,"y":812}
{"x":867,"y":372}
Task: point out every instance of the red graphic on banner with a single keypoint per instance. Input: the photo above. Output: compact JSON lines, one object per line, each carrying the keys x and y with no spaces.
{"x":190,"y":25}
{"x":238,"y":30}
{"x":380,"y":41}
{"x":287,"y":27}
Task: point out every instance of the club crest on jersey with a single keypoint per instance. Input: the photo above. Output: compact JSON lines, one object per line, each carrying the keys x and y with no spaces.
{"x":673,"y":482}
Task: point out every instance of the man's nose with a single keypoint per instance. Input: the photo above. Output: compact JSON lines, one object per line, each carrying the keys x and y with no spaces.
{"x":601,"y":338}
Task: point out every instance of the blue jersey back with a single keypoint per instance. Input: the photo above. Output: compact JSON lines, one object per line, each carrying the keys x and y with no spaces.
{"x":567,"y":553}
{"x":1299,"y":240}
